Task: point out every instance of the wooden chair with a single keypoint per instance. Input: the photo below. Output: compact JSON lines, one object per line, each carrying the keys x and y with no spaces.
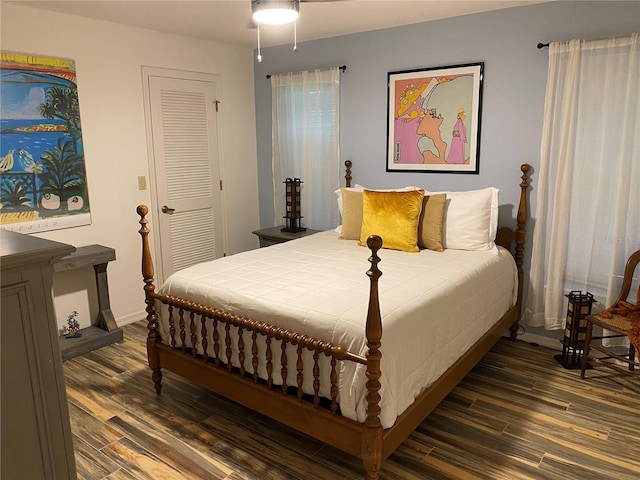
{"x":617,"y":325}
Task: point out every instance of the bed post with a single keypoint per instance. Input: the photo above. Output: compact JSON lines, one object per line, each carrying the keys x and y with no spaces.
{"x":152,"y":316}
{"x":347,"y":175}
{"x":520,"y":239}
{"x":372,"y":434}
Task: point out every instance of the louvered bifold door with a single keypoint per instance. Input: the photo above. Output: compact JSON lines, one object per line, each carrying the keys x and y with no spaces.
{"x":185,"y":149}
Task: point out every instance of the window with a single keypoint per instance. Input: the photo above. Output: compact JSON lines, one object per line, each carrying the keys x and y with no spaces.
{"x":588,"y":214}
{"x":305,"y":142}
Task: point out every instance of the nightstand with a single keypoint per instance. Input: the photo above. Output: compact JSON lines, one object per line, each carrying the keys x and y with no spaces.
{"x":273,"y":235}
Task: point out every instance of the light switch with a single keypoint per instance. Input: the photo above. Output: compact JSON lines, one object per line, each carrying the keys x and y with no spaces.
{"x":142,"y":183}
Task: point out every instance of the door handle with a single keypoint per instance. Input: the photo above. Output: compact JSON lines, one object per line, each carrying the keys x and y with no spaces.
{"x":168,"y":210}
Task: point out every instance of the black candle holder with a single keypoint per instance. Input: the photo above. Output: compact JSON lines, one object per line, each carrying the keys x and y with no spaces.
{"x":578,"y":308}
{"x":293,"y":217}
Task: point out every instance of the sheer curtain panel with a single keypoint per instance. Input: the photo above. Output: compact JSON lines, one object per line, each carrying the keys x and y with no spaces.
{"x":588,"y":201}
{"x":305,"y":142}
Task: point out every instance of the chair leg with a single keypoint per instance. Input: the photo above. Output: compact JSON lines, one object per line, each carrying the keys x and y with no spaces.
{"x":587,"y":345}
{"x":632,"y":357}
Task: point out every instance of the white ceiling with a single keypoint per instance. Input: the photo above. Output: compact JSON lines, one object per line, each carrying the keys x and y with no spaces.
{"x":228,"y":20}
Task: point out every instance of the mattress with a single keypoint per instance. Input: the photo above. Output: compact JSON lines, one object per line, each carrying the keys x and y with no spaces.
{"x":434,"y":306}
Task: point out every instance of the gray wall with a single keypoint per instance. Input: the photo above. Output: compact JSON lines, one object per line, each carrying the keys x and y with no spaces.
{"x":513,"y":90}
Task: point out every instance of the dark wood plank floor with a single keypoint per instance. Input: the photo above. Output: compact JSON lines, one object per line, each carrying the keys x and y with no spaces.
{"x":517,"y":415}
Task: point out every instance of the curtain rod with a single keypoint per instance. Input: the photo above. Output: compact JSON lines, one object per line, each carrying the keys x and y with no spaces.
{"x":543,"y":45}
{"x":342,"y":67}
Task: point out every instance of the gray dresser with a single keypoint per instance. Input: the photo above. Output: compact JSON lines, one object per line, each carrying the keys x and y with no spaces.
{"x":36,"y":436}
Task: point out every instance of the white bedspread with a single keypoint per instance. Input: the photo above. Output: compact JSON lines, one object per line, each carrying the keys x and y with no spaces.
{"x":434,"y":306}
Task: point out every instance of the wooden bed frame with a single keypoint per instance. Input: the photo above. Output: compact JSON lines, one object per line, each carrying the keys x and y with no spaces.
{"x":287,"y":404}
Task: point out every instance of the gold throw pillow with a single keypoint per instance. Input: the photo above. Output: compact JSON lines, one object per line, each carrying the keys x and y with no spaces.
{"x":394,"y":216}
{"x":431,"y":222}
{"x":351,"y":214}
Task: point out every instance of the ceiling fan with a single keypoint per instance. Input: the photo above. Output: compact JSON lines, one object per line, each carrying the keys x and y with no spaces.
{"x":276,"y":12}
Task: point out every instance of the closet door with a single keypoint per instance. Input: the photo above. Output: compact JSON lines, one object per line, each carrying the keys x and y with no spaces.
{"x":186,"y":170}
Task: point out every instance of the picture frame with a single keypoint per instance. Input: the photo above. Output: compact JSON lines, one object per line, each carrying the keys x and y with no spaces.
{"x":434,"y":119}
{"x":43,"y":177}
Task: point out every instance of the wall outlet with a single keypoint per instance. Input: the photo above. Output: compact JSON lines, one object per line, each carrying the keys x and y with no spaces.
{"x":142,"y":183}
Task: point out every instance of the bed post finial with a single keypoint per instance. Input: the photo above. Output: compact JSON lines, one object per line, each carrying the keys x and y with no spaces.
{"x":152,"y":317}
{"x":347,"y":175}
{"x":372,"y":437}
{"x":521,"y":231}
{"x":147,"y":263}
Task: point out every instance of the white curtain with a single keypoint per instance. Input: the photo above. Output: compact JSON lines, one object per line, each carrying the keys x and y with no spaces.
{"x":588,"y":199}
{"x":305,"y":142}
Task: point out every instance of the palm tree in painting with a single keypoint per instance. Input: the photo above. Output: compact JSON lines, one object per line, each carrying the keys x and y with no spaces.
{"x":62,"y":103}
{"x":64,"y":171}
{"x":13,"y":193}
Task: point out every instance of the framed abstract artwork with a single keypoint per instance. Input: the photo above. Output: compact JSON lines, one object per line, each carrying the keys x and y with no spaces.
{"x":43,"y":181}
{"x":434,"y":119}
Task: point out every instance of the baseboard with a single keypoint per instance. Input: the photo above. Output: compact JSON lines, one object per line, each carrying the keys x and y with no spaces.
{"x":548,"y":342}
{"x":132,"y":318}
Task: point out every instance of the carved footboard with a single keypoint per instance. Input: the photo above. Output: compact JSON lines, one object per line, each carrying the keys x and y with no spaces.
{"x":202,"y":348}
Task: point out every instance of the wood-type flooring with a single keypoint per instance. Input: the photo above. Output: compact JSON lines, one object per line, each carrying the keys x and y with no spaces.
{"x":517,"y":415}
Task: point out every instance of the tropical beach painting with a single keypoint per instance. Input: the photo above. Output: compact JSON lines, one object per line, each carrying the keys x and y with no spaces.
{"x":43,"y":181}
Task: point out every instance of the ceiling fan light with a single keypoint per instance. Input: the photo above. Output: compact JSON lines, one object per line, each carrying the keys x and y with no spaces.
{"x":274,"y":12}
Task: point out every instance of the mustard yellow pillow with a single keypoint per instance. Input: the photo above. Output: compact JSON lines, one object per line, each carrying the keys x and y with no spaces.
{"x":351,"y":214}
{"x":431,"y":222}
{"x":394,"y":216}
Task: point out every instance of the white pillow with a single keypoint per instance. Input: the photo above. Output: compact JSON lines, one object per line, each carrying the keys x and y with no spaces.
{"x":401,"y":189}
{"x":471,"y":220}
